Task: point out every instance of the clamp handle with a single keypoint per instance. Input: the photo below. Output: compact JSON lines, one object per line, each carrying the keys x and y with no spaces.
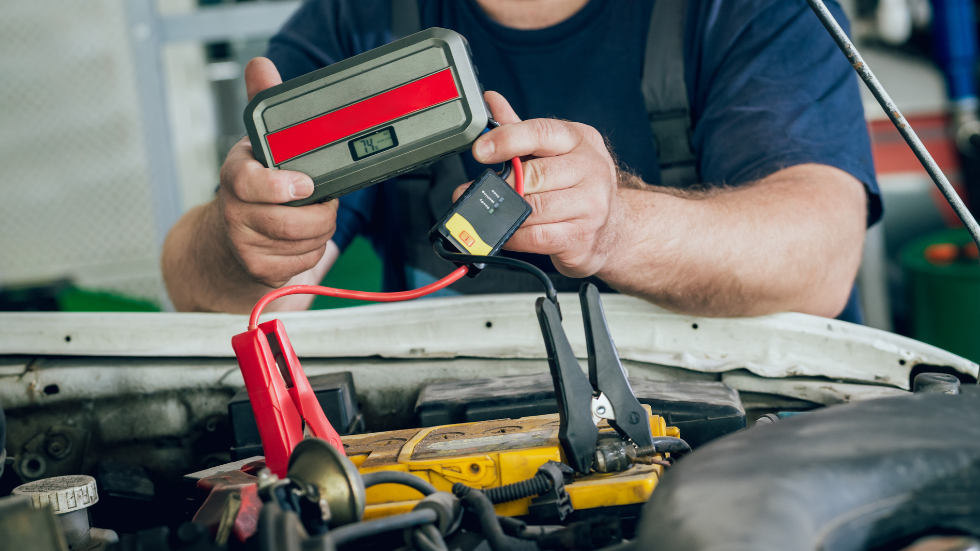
{"x":606,"y":372}
{"x":282,"y":399}
{"x":577,"y":432}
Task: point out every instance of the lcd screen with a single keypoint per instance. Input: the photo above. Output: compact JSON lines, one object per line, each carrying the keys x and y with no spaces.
{"x":373,"y":143}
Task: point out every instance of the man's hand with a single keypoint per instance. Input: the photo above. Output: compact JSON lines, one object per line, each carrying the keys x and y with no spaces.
{"x":789,"y":242}
{"x":272,"y":242}
{"x":570,"y":182}
{"x":224,"y":255}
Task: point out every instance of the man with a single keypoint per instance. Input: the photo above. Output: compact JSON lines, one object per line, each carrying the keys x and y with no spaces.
{"x":778,"y":133}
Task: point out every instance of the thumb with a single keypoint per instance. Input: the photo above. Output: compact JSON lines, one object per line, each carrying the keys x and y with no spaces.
{"x":458,"y":192}
{"x":260,"y":73}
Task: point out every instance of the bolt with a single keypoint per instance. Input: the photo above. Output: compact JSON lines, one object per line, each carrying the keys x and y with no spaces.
{"x":57,"y":445}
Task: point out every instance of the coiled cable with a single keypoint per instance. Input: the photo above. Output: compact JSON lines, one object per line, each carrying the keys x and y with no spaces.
{"x":534,"y":486}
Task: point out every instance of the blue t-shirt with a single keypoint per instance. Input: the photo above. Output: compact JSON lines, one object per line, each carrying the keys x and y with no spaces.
{"x":768,"y":87}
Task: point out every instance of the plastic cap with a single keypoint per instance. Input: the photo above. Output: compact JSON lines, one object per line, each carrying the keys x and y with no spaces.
{"x":942,"y":254}
{"x":936,"y":383}
{"x":65,"y":494}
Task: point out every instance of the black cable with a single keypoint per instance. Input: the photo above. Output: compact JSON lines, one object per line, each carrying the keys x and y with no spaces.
{"x":460,"y":258}
{"x":505,"y":172}
{"x":353,"y":532}
{"x":537,"y":485}
{"x":664,"y":444}
{"x":429,"y":535}
{"x":398,"y":477}
{"x":477,"y":503}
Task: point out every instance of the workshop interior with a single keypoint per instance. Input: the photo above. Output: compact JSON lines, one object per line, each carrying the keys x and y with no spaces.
{"x":432,"y":421}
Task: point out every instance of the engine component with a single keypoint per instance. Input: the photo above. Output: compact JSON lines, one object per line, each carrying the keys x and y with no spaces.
{"x":373,"y":116}
{"x":331,"y":478}
{"x":56,"y":452}
{"x":69,"y":497}
{"x":936,"y":383}
{"x":548,"y":485}
{"x":23,"y":526}
{"x":487,"y":455}
{"x":702,"y":411}
{"x":231,"y":503}
{"x":334,"y":392}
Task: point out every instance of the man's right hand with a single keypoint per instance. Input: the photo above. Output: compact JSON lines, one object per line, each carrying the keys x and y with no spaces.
{"x":224,"y":255}
{"x":273,"y":243}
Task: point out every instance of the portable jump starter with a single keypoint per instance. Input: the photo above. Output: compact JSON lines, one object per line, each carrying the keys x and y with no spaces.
{"x":373,"y":116}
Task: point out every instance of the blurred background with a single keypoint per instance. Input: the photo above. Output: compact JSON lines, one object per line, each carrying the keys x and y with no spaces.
{"x":115,"y":117}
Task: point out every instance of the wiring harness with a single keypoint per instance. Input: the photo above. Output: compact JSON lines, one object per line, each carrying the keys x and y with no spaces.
{"x":453,"y":277}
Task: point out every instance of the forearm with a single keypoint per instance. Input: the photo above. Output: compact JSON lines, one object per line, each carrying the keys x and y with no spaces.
{"x":202,"y":273}
{"x":791,"y":242}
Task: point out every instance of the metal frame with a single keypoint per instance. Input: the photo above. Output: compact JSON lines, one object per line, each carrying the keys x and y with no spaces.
{"x":150,"y":32}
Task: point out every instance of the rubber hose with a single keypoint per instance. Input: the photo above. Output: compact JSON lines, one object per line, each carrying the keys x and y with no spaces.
{"x":354,"y":532}
{"x":664,"y":444}
{"x":478,"y":503}
{"x":398,"y":477}
{"x":519,"y":490}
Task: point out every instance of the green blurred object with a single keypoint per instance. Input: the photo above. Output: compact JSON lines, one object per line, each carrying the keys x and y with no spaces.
{"x":74,"y":299}
{"x":61,"y":295}
{"x":357,"y":269}
{"x":944,"y":299}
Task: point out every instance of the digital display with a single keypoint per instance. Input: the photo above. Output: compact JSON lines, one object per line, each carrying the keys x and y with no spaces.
{"x":373,"y":143}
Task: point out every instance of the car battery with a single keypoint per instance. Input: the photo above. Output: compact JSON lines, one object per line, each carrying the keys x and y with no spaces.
{"x":489,"y":454}
{"x":335,"y":393}
{"x":373,"y":116}
{"x":702,"y":411}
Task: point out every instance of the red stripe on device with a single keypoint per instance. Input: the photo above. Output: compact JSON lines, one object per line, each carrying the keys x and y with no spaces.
{"x":380,"y":109}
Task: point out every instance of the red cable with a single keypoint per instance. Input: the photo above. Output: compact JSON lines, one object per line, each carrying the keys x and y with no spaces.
{"x":518,"y":176}
{"x":456,"y":275}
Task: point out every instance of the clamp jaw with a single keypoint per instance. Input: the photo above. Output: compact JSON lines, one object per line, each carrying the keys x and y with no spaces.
{"x":605,"y":394}
{"x":286,"y":409}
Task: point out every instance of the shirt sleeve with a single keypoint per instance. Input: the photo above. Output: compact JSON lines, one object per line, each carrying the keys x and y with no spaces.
{"x":772,"y":90}
{"x":320,"y":33}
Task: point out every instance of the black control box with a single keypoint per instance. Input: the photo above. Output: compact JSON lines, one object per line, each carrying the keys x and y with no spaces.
{"x":483,"y":218}
{"x":334,"y":391}
{"x":702,"y":411}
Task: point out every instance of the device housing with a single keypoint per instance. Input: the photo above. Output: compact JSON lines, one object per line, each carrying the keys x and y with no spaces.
{"x":483,"y":218}
{"x":373,"y":116}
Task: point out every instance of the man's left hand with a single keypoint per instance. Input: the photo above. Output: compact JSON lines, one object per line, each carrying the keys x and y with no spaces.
{"x":570,"y":180}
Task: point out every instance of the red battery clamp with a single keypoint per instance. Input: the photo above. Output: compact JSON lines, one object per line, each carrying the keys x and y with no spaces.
{"x":286,"y":409}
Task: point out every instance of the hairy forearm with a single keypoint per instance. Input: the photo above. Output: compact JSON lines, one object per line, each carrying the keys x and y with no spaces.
{"x":790,"y":242}
{"x":202,"y":273}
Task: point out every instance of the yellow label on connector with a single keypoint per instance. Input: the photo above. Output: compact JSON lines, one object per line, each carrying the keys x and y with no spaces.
{"x":465,"y":235}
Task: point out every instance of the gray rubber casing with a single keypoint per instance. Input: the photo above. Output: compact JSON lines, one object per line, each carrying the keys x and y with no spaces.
{"x":423,"y":136}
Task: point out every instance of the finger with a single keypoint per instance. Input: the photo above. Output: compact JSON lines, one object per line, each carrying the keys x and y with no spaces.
{"x":500,"y":108}
{"x":276,"y":271}
{"x":537,"y":137}
{"x":559,"y":206}
{"x":460,"y":190}
{"x":260,"y":73}
{"x":248,"y":181}
{"x":547,"y":239}
{"x":290,"y":223}
{"x":554,"y":173}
